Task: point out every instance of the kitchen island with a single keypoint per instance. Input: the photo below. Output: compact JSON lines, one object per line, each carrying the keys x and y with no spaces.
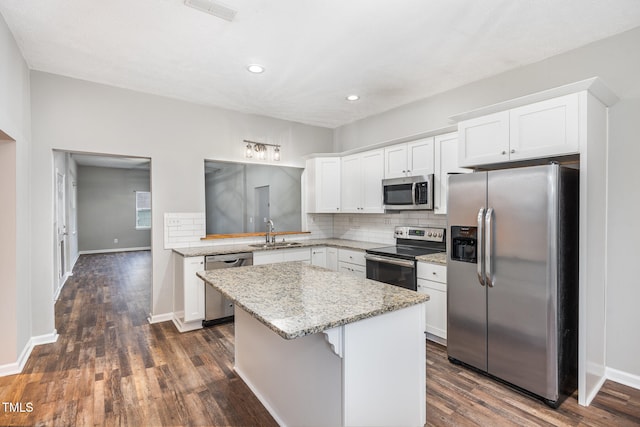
{"x":321,"y":348}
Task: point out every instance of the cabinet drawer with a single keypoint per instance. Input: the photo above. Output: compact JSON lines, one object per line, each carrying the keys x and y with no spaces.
{"x":353,"y":257}
{"x":353,"y":269}
{"x":434,"y":272}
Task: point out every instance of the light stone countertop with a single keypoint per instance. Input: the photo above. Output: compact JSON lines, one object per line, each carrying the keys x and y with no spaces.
{"x":294,"y":299}
{"x":439,"y":258}
{"x":244,"y":247}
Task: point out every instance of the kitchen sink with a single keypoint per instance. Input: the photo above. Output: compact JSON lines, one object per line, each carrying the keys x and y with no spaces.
{"x":275,"y":245}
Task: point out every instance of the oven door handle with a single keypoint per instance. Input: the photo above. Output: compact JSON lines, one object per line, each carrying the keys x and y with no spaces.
{"x":394,"y":261}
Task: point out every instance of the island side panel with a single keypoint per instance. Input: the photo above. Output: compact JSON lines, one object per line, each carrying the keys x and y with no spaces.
{"x":299,"y":381}
{"x":385,"y":369}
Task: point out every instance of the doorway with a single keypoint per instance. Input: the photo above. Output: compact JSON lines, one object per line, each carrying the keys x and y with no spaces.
{"x":97,"y":209}
{"x":262,"y":208}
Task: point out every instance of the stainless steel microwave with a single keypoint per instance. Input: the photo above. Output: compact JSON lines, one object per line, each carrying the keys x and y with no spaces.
{"x":410,"y":193}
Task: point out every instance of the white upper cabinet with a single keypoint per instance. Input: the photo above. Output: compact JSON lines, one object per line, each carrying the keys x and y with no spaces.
{"x":323,"y":185}
{"x":546,"y":128}
{"x":484,"y":140}
{"x":446,"y":162}
{"x":543,"y":129}
{"x":409,"y":159}
{"x":361,"y":182}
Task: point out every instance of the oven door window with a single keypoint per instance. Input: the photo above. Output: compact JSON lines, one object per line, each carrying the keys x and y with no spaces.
{"x":399,"y":194}
{"x":392,"y":274}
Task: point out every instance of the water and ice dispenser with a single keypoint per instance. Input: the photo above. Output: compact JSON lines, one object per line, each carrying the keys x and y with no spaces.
{"x":464,"y":244}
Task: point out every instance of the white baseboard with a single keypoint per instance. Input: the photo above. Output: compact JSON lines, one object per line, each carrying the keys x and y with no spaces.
{"x":107,"y":251}
{"x":622,"y":377}
{"x":185,"y":326}
{"x":159,"y":318}
{"x":64,"y":281}
{"x":18,"y":366}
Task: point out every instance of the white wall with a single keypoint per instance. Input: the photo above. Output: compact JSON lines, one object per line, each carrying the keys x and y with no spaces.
{"x":617,"y":61}
{"x":15,"y":122}
{"x":79,"y":116}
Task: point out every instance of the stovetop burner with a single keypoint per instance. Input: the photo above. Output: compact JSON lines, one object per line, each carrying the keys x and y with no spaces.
{"x":412,"y":242}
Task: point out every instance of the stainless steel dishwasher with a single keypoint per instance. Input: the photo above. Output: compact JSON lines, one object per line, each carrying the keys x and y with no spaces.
{"x":219,"y":309}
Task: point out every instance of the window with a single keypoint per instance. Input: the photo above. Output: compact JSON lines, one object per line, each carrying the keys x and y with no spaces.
{"x":143,"y":210}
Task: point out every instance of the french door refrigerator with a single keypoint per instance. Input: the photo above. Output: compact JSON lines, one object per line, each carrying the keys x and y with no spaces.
{"x":512,"y":287}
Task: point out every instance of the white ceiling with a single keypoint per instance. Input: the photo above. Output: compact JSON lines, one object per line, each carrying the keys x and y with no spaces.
{"x":315,"y":51}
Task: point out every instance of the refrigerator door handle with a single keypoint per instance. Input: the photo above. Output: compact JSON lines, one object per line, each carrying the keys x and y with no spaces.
{"x":488,"y":251}
{"x":480,"y":247}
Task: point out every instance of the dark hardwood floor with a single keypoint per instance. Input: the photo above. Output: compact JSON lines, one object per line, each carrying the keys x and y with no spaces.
{"x":111,"y":367}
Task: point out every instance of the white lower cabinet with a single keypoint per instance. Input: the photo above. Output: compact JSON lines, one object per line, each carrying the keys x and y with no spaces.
{"x":432,"y":280}
{"x":352,"y":262}
{"x":319,"y":256}
{"x":332,"y":259}
{"x":273,"y":256}
{"x":188,"y":293}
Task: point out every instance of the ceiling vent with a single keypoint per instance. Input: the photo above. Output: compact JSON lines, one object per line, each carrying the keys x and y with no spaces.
{"x":213,"y":8}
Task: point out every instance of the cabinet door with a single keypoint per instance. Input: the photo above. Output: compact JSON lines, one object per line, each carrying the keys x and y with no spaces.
{"x":420,"y":157}
{"x":328,"y":185}
{"x":436,"y":307}
{"x":372,"y":172}
{"x":267,"y":257}
{"x":484,"y":140}
{"x":319,"y":257}
{"x":352,"y":269}
{"x":546,"y":128}
{"x":297,"y":254}
{"x":332,"y":259}
{"x":351,"y":192}
{"x":446,"y":162}
{"x":395,"y":161}
{"x":193,"y":289}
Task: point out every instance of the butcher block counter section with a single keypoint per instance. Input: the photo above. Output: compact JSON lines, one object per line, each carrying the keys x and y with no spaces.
{"x":295,"y":299}
{"x":323,"y":348}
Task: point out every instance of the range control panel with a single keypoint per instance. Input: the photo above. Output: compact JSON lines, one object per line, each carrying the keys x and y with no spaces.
{"x":431,"y":234}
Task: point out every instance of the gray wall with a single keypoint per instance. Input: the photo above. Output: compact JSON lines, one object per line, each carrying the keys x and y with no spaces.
{"x":15,"y":285}
{"x":617,"y":61}
{"x":107,"y":206}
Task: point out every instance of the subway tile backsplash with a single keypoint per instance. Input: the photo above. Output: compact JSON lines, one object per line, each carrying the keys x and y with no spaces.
{"x":182,"y":230}
{"x":369,"y":227}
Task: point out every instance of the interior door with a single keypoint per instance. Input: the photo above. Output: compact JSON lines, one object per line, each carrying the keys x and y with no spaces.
{"x":262,"y":208}
{"x":466,"y":294}
{"x":61,"y":227}
{"x":521,"y":301}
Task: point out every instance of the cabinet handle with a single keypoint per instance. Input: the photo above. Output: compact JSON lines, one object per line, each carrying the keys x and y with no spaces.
{"x":513,"y":150}
{"x":504,"y":152}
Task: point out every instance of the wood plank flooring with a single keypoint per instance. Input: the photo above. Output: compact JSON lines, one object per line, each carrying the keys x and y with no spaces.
{"x":110,"y":367}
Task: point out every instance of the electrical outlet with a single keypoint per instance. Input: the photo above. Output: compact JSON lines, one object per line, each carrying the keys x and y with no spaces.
{"x":387,"y":221}
{"x":115,"y":240}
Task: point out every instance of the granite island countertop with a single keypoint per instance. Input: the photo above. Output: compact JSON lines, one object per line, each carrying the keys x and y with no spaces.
{"x":294,"y":299}
{"x":245,"y":247}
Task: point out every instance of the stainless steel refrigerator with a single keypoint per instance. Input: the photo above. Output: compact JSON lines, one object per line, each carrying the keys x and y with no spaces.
{"x":512,"y":276}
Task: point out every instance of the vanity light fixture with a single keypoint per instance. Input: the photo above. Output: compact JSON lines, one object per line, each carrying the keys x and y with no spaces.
{"x":352,"y":98}
{"x":255,"y":68}
{"x":261,"y":150}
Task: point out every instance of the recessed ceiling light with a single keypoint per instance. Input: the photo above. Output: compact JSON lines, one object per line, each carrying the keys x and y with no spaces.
{"x":255,"y":68}
{"x":352,"y":97}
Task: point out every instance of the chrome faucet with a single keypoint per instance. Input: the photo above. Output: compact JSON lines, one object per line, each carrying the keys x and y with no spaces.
{"x":270,"y":230}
